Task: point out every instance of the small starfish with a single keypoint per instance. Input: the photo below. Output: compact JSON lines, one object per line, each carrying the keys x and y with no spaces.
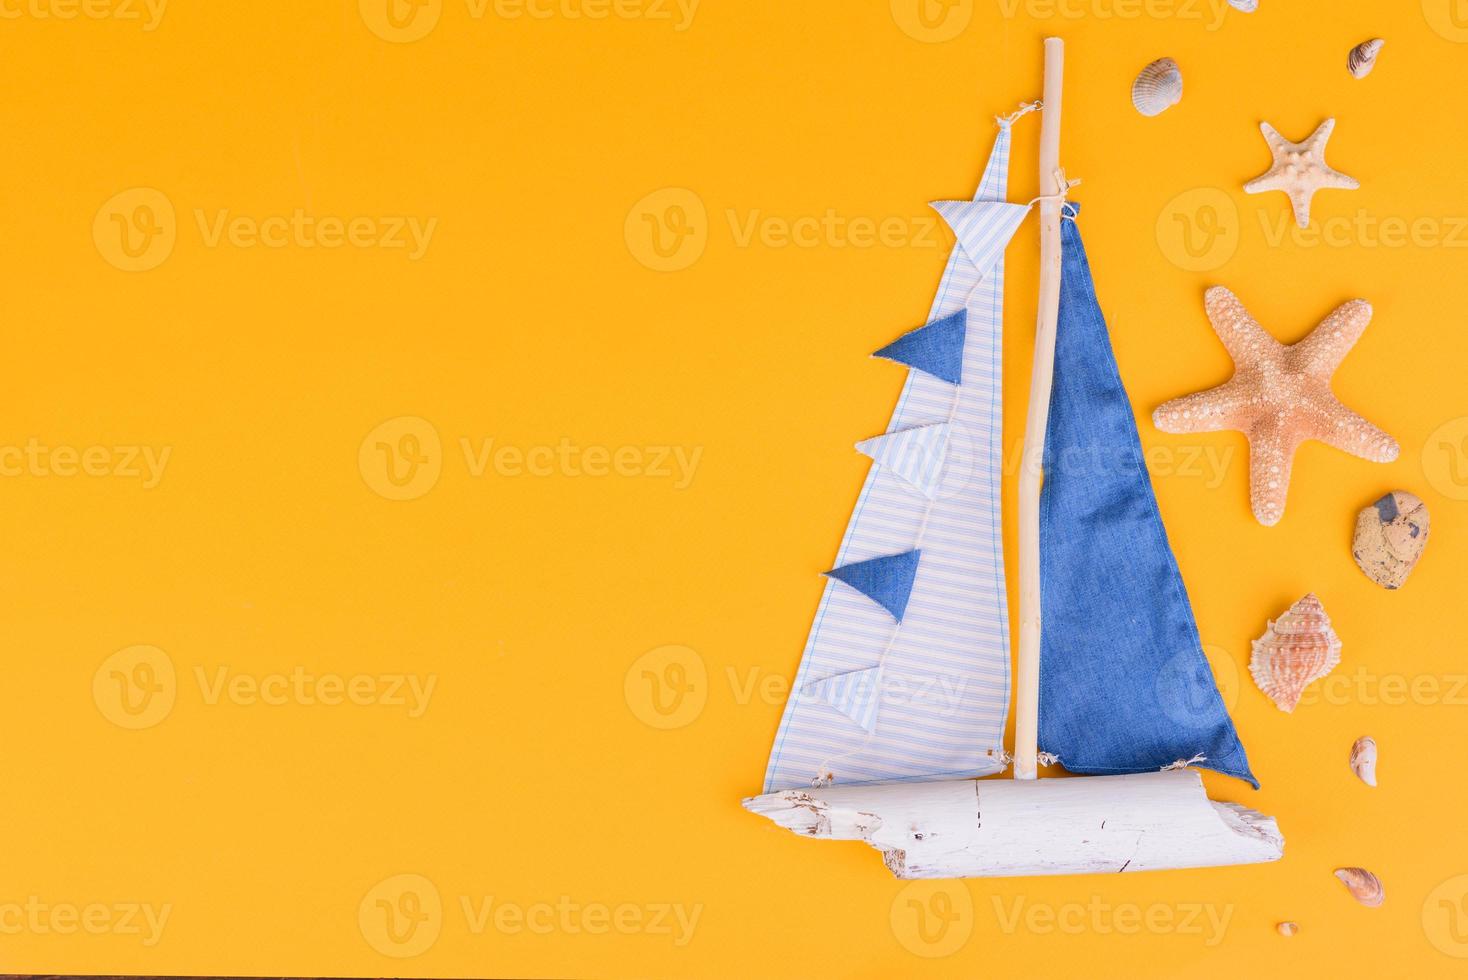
{"x":1279,"y":397}
{"x":1299,"y":169}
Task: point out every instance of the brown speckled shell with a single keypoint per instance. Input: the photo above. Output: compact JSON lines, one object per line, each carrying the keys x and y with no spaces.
{"x":1390,"y":537}
{"x":1296,"y":649}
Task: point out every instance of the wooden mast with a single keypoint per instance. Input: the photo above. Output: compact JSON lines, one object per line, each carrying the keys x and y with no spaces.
{"x":1027,"y":682}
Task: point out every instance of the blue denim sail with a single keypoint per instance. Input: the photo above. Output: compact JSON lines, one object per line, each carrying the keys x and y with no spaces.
{"x":1124,"y":684}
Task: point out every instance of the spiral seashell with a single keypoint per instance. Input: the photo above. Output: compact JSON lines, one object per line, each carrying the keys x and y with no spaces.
{"x":1363,"y":759}
{"x":1364,"y":886}
{"x":1288,"y":928}
{"x":1363,"y":57}
{"x":1159,"y":86}
{"x":1296,"y":649}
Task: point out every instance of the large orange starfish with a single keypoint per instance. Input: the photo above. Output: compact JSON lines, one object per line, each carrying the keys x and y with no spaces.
{"x":1279,"y":397}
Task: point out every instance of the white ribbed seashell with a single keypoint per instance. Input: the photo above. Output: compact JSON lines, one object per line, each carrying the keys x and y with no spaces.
{"x":1363,"y":759}
{"x":1158,"y":86}
{"x":1288,"y":928}
{"x":1247,"y":6}
{"x":1364,"y":886}
{"x":1363,"y":57}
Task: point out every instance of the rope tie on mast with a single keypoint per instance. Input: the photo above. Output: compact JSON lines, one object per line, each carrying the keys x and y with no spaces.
{"x":1062,"y":195}
{"x":1024,"y":109}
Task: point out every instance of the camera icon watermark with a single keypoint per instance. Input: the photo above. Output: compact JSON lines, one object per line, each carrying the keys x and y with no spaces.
{"x":667,"y":687}
{"x":1448,"y":19}
{"x":402,"y":458}
{"x":1445,"y":459}
{"x":135,"y":687}
{"x":932,"y":919}
{"x":932,"y":21}
{"x":400,"y":21}
{"x":401,"y":916}
{"x":135,"y":230}
{"x":667,"y":230}
{"x":1198,"y":230}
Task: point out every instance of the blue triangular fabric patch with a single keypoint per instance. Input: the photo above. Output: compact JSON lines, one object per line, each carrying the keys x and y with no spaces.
{"x":915,"y":455}
{"x":935,"y":349}
{"x":1124,"y":684}
{"x":887,"y":581}
{"x":983,"y":228}
{"x":853,"y":693}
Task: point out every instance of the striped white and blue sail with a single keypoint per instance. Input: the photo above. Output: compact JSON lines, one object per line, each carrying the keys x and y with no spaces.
{"x":905,"y":674}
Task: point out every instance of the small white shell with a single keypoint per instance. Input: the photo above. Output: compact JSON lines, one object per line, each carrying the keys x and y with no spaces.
{"x":1247,"y":6}
{"x":1363,"y":57}
{"x":1363,"y":759}
{"x":1288,"y":928}
{"x":1159,"y":86}
{"x":1364,"y":886}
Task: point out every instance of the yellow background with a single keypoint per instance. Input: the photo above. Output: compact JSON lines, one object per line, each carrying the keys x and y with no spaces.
{"x":539,"y":772}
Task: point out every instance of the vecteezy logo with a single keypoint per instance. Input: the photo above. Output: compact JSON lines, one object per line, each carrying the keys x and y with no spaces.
{"x":401,"y":916}
{"x":1199,"y":229}
{"x":135,"y":687}
{"x":1445,"y":917}
{"x":1185,"y":686}
{"x":1448,"y":18}
{"x":667,"y":687}
{"x":933,"y":918}
{"x":1225,"y":674}
{"x":400,"y":21}
{"x":136,"y":229}
{"x":933,"y":21}
{"x":402,"y":458}
{"x":965,"y":461}
{"x":668,"y":229}
{"x":1445,"y":459}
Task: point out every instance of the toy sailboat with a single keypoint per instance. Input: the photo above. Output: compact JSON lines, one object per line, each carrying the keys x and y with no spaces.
{"x":901,"y":699}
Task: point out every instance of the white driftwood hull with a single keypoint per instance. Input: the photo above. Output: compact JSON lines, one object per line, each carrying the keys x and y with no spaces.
{"x":967,"y":828}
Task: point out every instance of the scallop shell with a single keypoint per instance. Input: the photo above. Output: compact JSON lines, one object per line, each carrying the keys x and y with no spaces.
{"x":1247,"y":6}
{"x":1295,"y":649}
{"x":1363,"y":57}
{"x":1363,"y":759}
{"x":1159,"y":86}
{"x":1364,"y":886}
{"x":1288,"y":928}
